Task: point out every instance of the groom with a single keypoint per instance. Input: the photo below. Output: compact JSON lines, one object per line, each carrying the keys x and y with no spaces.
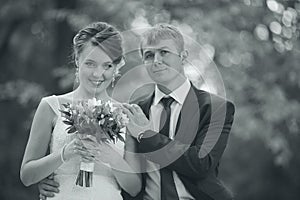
{"x":181,"y":131}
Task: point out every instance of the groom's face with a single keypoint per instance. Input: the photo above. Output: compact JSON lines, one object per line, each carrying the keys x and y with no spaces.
{"x":163,"y":62}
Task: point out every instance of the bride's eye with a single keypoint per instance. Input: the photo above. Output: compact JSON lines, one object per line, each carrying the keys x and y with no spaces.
{"x":108,"y":66}
{"x":90,"y":64}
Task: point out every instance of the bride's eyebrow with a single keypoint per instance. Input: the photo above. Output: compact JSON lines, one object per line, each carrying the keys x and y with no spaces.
{"x":89,"y":60}
{"x":107,"y":63}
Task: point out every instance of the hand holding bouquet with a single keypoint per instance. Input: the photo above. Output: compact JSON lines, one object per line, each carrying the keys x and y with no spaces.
{"x":95,"y":118}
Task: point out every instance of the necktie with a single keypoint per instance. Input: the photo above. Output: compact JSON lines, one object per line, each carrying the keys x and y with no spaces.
{"x":168,"y":188}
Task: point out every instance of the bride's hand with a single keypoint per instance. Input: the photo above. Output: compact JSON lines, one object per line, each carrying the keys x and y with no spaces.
{"x":105,"y":152}
{"x":108,"y":153}
{"x":77,"y":148}
{"x":91,"y":148}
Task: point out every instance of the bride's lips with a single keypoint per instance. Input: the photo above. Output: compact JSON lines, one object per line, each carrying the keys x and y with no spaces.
{"x":96,"y":83}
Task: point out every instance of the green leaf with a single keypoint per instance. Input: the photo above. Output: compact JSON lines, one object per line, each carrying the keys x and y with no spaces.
{"x":72,"y":129}
{"x":121,"y":138}
{"x":66,"y":105}
{"x":65,"y":112}
{"x":68,"y":122}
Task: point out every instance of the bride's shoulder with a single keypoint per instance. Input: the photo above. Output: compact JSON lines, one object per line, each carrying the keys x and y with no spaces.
{"x":65,"y":98}
{"x":54,"y":101}
{"x":55,"y":97}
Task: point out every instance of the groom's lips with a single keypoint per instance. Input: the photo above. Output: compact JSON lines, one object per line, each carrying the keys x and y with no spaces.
{"x":160,"y":70}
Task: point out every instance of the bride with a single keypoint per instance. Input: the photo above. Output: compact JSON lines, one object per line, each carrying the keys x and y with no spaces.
{"x":98,"y":51}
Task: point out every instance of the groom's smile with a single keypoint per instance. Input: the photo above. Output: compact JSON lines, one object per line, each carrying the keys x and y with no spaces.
{"x":160,"y":70}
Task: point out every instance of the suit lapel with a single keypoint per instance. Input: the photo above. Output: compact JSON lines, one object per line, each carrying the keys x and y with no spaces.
{"x":189,"y":123}
{"x":190,"y":107}
{"x":146,"y":105}
{"x":189,"y":113}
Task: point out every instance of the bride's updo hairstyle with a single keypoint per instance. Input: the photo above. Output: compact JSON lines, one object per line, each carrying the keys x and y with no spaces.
{"x":103,"y":35}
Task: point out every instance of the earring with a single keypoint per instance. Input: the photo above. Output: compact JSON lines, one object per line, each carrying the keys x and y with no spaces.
{"x":113,"y":80}
{"x":76,"y":76}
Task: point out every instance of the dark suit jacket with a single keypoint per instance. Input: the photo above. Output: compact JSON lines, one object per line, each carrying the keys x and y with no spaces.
{"x":201,"y":137}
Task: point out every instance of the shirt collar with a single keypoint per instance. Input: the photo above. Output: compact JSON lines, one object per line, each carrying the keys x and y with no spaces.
{"x":178,"y":95}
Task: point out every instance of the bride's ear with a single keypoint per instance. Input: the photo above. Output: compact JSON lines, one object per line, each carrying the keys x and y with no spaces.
{"x":183,"y":55}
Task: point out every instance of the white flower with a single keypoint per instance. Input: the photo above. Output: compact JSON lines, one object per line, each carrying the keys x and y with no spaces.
{"x":94,"y":102}
{"x":124,"y":119}
{"x":101,"y":122}
{"x":80,"y":108}
{"x":110,"y":105}
{"x":116,"y":106}
{"x":98,"y":102}
{"x":91,"y":102}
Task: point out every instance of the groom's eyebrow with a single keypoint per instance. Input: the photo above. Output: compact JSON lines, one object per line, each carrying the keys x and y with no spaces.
{"x":164,"y":47}
{"x":153,"y":49}
{"x":150,"y":50}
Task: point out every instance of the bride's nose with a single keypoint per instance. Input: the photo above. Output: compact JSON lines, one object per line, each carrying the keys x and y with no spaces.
{"x":98,"y":72}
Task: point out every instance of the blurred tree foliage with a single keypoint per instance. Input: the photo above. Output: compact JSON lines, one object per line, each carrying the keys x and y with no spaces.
{"x":254,"y":44}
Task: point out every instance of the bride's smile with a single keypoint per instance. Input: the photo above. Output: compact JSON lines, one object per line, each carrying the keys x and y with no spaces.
{"x":95,"y":70}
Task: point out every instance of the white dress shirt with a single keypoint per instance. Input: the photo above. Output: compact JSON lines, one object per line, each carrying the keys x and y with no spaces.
{"x":152,"y":190}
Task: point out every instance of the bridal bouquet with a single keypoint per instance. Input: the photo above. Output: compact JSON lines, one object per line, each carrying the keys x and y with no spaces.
{"x":93,"y":117}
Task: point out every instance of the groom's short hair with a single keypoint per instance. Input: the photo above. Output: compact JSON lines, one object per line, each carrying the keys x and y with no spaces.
{"x":159,"y":32}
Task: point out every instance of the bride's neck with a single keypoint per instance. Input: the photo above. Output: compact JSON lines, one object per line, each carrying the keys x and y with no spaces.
{"x":80,"y":94}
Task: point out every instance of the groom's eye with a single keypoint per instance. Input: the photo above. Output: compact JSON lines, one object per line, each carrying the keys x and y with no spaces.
{"x":164,"y":52}
{"x":149,"y":56}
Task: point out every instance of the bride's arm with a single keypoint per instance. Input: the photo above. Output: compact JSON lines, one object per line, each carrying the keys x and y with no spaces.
{"x":35,"y":165}
{"x":125,"y":168}
{"x":127,"y":178}
{"x":131,"y":182}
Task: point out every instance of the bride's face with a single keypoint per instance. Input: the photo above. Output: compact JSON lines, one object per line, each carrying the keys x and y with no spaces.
{"x":95,"y":70}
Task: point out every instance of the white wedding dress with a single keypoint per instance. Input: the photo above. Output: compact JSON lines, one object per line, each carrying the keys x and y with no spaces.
{"x":105,"y":186}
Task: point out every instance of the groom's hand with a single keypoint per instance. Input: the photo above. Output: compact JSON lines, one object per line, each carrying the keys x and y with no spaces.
{"x":47,"y":187}
{"x":138,"y":122}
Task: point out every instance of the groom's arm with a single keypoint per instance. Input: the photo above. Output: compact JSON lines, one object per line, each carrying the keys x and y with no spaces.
{"x":48,"y":187}
{"x":198,"y":159}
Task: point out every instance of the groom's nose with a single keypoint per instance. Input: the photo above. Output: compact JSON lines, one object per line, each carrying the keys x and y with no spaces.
{"x":157,"y":58}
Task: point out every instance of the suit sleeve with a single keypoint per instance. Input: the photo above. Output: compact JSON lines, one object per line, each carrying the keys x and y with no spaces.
{"x":201,"y":157}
